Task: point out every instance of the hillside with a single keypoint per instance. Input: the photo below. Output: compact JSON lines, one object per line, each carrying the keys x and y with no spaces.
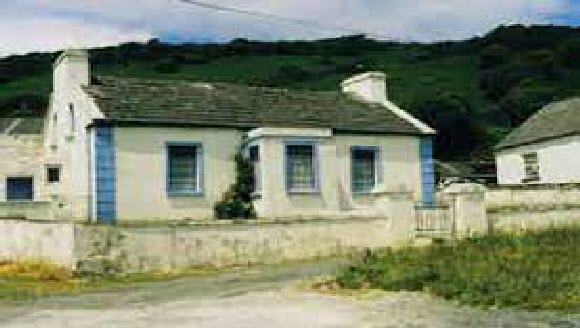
{"x":472,"y":91}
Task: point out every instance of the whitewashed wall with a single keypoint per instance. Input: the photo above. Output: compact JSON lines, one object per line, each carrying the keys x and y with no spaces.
{"x":141,"y":173}
{"x":558,"y":159}
{"x":63,"y":145}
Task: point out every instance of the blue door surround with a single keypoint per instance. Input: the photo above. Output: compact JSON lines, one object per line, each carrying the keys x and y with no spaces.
{"x":105,"y":174}
{"x":427,"y":172}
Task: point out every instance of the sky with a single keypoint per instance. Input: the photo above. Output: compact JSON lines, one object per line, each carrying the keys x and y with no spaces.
{"x":49,"y":25}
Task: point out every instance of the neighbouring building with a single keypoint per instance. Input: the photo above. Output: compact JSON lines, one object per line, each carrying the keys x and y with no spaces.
{"x":128,"y":148}
{"x":545,"y":149}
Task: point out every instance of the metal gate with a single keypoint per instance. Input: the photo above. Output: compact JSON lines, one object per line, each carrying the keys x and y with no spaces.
{"x":434,"y":220}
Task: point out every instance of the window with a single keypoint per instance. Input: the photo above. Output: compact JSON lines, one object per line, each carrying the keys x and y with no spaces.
{"x":184,"y":169}
{"x":364,"y":170}
{"x":71,"y":111}
{"x":254,"y":158}
{"x":531,"y":167}
{"x":301,"y":168}
{"x":53,"y":174}
{"x":19,"y":189}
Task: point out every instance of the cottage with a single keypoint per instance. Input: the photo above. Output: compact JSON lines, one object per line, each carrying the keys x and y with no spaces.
{"x":545,"y":149}
{"x":125,"y":148}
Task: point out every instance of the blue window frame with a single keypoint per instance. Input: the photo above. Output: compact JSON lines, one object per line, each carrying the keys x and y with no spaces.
{"x":365,"y":168}
{"x":184,"y":169}
{"x":301,"y":167}
{"x":19,"y":189}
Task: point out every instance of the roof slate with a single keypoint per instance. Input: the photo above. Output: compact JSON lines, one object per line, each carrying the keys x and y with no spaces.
{"x":23,"y":125}
{"x":237,"y":106}
{"x":557,"y":119}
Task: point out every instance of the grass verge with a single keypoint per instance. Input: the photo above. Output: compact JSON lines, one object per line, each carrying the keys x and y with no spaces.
{"x":30,"y":280}
{"x":530,"y":270}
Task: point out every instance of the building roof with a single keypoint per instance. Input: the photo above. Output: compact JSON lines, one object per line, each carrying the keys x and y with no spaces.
{"x":21,"y":125}
{"x":558,"y":119}
{"x":237,"y":106}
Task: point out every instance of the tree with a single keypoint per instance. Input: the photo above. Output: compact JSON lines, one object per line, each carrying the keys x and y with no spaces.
{"x":569,"y":53}
{"x":525,"y":99}
{"x":494,"y":55}
{"x":457,"y":132}
{"x":237,"y":201}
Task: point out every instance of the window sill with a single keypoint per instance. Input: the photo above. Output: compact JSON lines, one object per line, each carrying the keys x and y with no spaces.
{"x":304,"y":192}
{"x":365,"y":193}
{"x":530,"y":180}
{"x":256,"y":195}
{"x":190,"y":194}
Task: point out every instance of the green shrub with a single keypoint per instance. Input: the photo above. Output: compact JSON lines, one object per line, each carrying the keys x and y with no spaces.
{"x":532,"y":270}
{"x":237,"y":201}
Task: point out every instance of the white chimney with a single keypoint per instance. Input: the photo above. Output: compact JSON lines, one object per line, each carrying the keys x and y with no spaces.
{"x":369,"y":87}
{"x":71,"y":69}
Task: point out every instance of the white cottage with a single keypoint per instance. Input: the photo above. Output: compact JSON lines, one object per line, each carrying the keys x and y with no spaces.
{"x":143,"y":149}
{"x":545,"y":149}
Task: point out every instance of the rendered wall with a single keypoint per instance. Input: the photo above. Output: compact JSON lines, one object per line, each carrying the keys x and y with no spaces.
{"x":53,"y":242}
{"x":399,"y":170}
{"x":559,"y":162}
{"x":142,"y":170}
{"x":141,"y":173}
{"x":65,"y":146}
{"x":22,"y":157}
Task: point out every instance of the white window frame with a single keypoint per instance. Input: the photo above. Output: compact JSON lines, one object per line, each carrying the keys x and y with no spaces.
{"x":377,"y":167}
{"x":198,"y":190}
{"x":315,"y":167}
{"x":531,"y":167}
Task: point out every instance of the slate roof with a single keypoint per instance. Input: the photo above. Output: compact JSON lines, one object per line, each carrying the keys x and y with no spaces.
{"x":19,"y":126}
{"x":557,"y":119}
{"x":237,"y":106}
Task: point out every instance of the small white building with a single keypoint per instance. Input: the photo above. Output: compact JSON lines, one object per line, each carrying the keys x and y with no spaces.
{"x":123,"y":149}
{"x":545,"y":149}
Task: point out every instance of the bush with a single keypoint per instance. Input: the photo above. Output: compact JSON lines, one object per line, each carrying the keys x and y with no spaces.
{"x":237,"y":201}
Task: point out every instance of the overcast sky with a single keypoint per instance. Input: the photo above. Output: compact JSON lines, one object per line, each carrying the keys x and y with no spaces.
{"x":48,"y":25}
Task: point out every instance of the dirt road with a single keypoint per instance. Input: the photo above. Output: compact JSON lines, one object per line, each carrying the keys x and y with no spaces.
{"x":261,"y":297}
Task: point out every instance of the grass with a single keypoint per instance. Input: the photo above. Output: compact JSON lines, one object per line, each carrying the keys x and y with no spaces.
{"x":534,"y":271}
{"x":31,"y":280}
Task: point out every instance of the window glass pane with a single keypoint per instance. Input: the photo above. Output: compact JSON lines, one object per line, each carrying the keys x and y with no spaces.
{"x":363,"y":169}
{"x":53,"y":174}
{"x":18,"y":189}
{"x":301,"y":172}
{"x":254,"y":157}
{"x":183,"y":170}
{"x":531,"y":167}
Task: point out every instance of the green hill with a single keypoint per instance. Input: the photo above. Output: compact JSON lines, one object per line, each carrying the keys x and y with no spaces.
{"x":472,"y":91}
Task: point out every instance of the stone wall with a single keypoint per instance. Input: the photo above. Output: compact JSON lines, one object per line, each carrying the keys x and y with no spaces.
{"x":115,"y":249}
{"x":169,"y":248}
{"x":532,"y":207}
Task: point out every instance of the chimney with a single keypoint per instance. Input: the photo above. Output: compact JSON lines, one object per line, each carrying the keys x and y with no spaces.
{"x":71,"y":69}
{"x":369,"y":87}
